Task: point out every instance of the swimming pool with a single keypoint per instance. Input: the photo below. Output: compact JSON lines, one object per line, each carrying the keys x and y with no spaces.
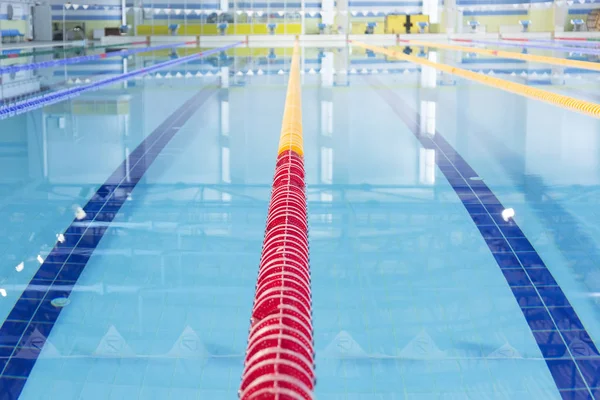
{"x":420,"y":288}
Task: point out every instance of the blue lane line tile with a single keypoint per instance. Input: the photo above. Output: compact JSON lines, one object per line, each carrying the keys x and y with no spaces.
{"x":581,"y":345}
{"x":566,"y":374}
{"x":520,"y":244}
{"x":516,"y":277}
{"x":11,"y":388}
{"x":490,"y":231}
{"x":581,"y":394}
{"x":33,"y":315}
{"x":541,"y":277}
{"x":527,"y":297}
{"x":539,"y":319}
{"x":11,"y":332}
{"x":544,"y":305}
{"x":591,"y":371}
{"x":551,"y":344}
{"x":507,"y":260}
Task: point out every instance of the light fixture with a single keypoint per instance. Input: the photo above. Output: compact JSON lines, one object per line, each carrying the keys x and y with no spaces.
{"x":508,"y":213}
{"x":79,"y":213}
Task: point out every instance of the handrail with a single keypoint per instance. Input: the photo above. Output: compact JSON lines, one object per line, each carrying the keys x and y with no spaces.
{"x":569,"y":103}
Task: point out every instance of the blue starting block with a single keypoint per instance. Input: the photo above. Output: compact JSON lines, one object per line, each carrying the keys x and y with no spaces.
{"x":370,"y":28}
{"x":578,"y":24}
{"x":422,"y":26}
{"x":222,"y":28}
{"x":322,"y":27}
{"x":271,"y":27}
{"x":525,"y":23}
{"x":173,"y":28}
{"x":11,"y":34}
{"x":124,"y":29}
{"x":474,"y":24}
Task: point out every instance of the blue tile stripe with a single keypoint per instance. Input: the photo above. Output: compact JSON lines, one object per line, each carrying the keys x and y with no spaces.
{"x":574,"y":243}
{"x":567,"y":348}
{"x":33,"y":315}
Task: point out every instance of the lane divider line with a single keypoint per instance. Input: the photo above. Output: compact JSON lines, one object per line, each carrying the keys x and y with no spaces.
{"x":571,"y":41}
{"x":534,"y":45}
{"x":91,"y":57}
{"x":508,"y":54}
{"x":569,"y":103}
{"x":16,"y":53}
{"x":33,"y":103}
{"x":568,"y":350}
{"x":279,"y":360}
{"x":24,"y":332}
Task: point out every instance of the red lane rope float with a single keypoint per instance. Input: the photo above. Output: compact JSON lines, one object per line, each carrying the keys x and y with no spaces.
{"x":279,"y":362}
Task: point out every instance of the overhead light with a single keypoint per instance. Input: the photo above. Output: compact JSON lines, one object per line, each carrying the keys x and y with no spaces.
{"x":20,"y":267}
{"x":40,"y":259}
{"x":3,"y":292}
{"x":60,"y":237}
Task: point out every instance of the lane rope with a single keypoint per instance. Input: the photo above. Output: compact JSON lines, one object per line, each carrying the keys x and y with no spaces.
{"x":16,"y":53}
{"x":36,"y":102}
{"x":562,"y":42}
{"x":533,"y":45}
{"x":92,"y":57}
{"x":508,"y":54}
{"x":279,"y":360}
{"x":569,"y":103}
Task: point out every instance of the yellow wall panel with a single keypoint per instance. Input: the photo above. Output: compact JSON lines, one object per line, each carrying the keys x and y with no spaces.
{"x":290,"y":29}
{"x":395,"y":24}
{"x":541,"y":20}
{"x":415,"y":19}
{"x":152,"y":30}
{"x":190,"y":30}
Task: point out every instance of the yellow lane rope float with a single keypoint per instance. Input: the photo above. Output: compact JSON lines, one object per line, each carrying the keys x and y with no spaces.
{"x":570,"y":103}
{"x":509,"y":54}
{"x":291,"y":128}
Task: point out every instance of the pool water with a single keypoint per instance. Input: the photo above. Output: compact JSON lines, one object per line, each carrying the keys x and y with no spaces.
{"x":158,"y":189}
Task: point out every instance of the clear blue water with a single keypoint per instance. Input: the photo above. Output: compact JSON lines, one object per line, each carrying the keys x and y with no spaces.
{"x":408,"y":300}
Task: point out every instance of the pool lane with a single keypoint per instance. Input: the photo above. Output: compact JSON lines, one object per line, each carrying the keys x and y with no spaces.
{"x":397,"y":269}
{"x":544,"y":164}
{"x":568,"y":349}
{"x":33,"y":316}
{"x":161,"y":310}
{"x":408,"y":299}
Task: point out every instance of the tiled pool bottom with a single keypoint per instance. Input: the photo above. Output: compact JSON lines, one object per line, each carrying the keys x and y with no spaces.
{"x":420,"y":288}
